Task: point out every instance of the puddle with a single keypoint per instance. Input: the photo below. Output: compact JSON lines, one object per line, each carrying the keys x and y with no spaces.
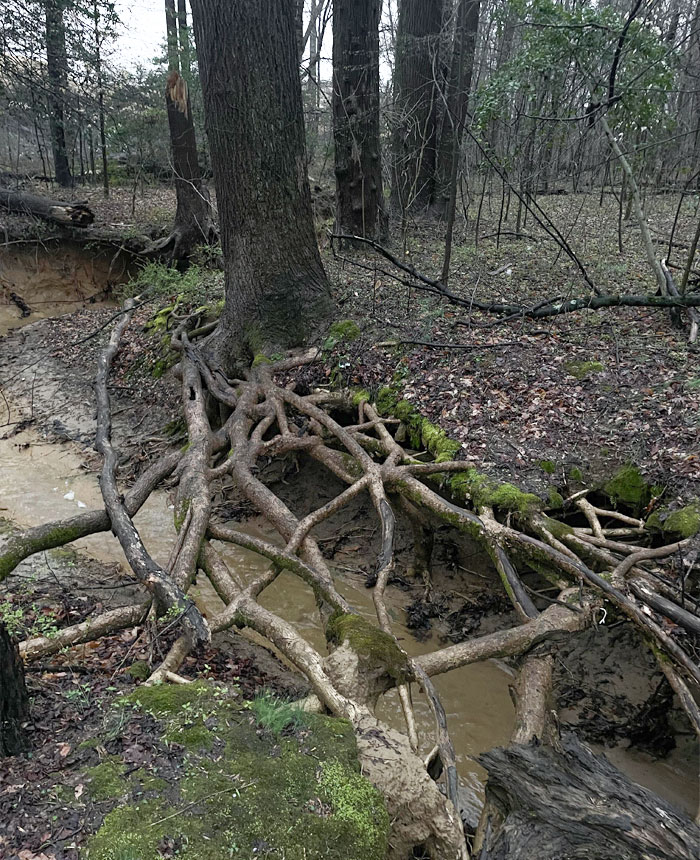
{"x":52,"y":279}
{"x":41,"y":481}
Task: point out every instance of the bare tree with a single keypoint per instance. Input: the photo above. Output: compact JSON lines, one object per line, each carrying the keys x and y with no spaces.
{"x":358,"y":169}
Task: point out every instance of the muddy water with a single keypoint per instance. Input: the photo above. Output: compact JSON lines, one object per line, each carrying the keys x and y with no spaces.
{"x":54,"y":280}
{"x":40,"y":481}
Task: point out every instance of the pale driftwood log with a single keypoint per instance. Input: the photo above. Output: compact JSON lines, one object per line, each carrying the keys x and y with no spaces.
{"x":74,"y":214}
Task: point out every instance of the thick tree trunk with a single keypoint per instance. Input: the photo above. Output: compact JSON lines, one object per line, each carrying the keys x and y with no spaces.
{"x":14,"y":701}
{"x":193,"y":224}
{"x":575,"y":804}
{"x":358,"y":168}
{"x":277,"y":293}
{"x":416,"y":94}
{"x":56,"y":66}
{"x":65,"y":214}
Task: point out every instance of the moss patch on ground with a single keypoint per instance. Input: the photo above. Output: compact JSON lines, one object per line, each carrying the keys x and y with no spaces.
{"x":582,"y":369}
{"x":296,"y":793}
{"x":679,"y":524}
{"x":627,"y":486}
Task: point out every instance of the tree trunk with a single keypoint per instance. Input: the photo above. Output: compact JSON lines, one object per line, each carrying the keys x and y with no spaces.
{"x":100,"y":104}
{"x":193,"y":223}
{"x":457,"y":100}
{"x":277,"y":293}
{"x":56,"y":66}
{"x":416,"y":77}
{"x":14,"y":700}
{"x":65,"y":214}
{"x":358,"y":169}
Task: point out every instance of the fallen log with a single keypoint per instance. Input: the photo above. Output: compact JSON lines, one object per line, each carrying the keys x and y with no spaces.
{"x":75,"y":214}
{"x":572,"y":803}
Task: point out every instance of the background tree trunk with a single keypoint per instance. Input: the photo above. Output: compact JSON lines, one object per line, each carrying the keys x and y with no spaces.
{"x":56,"y":66}
{"x":416,"y":76}
{"x":276,"y":289}
{"x":457,"y":98}
{"x":193,"y":215}
{"x":14,"y":700}
{"x":358,"y":169}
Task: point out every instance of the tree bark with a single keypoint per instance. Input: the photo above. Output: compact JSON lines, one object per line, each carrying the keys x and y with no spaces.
{"x":193,"y":224}
{"x":576,"y":804}
{"x":358,"y":169}
{"x":457,"y":99}
{"x":57,"y":69}
{"x":416,"y":76}
{"x":14,"y":700}
{"x":277,"y":293}
{"x":65,"y":214}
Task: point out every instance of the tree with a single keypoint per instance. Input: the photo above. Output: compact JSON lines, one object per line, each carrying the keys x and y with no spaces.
{"x":416,"y":75}
{"x":277,"y":293}
{"x":58,"y":81}
{"x":14,"y":701}
{"x":193,"y":223}
{"x":358,"y":168}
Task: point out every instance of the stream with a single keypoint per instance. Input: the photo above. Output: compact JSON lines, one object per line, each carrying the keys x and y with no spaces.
{"x":41,"y":481}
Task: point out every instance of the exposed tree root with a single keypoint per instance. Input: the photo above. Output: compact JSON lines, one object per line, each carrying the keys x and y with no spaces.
{"x":267,"y":418}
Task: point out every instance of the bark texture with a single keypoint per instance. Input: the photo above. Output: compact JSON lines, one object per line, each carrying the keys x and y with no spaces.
{"x":416,"y":94}
{"x":358,"y":169}
{"x":66,"y":214}
{"x":193,"y":223}
{"x":276,"y":288}
{"x":56,"y":67}
{"x":14,"y":700}
{"x":575,"y":804}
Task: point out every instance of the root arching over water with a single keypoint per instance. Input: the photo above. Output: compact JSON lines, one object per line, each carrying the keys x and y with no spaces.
{"x":594,"y":568}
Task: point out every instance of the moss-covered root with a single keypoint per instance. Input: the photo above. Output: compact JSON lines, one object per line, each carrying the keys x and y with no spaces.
{"x":23,"y":544}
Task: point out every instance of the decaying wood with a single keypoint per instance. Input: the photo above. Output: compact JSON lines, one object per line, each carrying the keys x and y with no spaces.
{"x":74,"y":214}
{"x":572,"y":803}
{"x":265,"y":418}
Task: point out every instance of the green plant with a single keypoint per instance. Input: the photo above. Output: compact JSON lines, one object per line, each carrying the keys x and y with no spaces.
{"x":274,"y":714}
{"x":80,"y":696}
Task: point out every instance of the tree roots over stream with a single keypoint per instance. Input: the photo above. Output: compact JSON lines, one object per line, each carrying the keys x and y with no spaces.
{"x":607,"y":567}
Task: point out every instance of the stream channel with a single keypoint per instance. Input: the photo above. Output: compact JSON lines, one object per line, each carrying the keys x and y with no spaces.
{"x":42,"y":480}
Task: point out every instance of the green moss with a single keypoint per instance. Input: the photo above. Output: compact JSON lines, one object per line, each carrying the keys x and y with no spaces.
{"x":180,"y":513}
{"x":386,"y":400}
{"x":297,"y":796}
{"x":140,"y":670}
{"x":360,"y":395}
{"x":368,"y":642}
{"x":558,"y":529}
{"x":556,"y":500}
{"x":582,"y":369}
{"x":576,"y":474}
{"x":629,"y":487}
{"x":684,"y":522}
{"x":352,"y":797}
{"x":260,"y":358}
{"x":344,"y":330}
{"x":164,"y":700}
{"x":547,"y":466}
{"x":106,"y":780}
{"x":482,"y":491}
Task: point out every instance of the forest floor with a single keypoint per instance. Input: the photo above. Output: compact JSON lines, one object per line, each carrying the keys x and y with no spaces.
{"x":537,"y":403}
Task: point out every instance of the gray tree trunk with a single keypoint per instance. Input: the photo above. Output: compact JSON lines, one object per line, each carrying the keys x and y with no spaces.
{"x":277,"y":293}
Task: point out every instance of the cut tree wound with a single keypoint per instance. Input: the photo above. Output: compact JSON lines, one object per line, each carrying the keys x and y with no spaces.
{"x":267,"y":418}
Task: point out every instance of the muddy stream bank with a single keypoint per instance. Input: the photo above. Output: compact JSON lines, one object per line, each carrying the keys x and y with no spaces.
{"x":43,"y":479}
{"x":40,"y":480}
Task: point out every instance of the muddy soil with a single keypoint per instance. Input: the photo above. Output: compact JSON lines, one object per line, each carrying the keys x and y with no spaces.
{"x":46,"y":372}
